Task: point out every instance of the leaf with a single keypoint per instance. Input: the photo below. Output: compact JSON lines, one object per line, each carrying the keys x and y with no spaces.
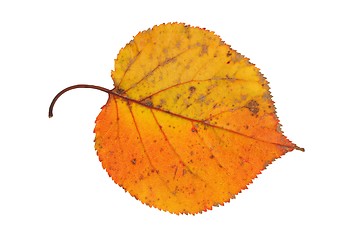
{"x":193,"y":122}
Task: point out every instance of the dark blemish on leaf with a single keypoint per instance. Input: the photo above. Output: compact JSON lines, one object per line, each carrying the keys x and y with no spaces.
{"x":193,"y":129}
{"x":192,"y":90}
{"x":238,"y":57}
{"x":148,"y":102}
{"x":133,"y":161}
{"x":253,"y":106}
{"x":228,"y":54}
{"x":212,"y":156}
{"x":169,"y":60}
{"x":154,"y":171}
{"x":119,"y":91}
{"x":162,"y":102}
{"x":175,"y":171}
{"x":204,"y":50}
{"x":201,"y":98}
{"x":266,"y":96}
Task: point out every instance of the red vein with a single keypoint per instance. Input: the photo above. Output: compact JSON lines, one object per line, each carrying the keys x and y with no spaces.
{"x":222,"y":141}
{"x":190,"y":81}
{"x":170,"y":145}
{"x":146,"y":153}
{"x":125,"y":98}
{"x":200,"y":121}
{"x":222,"y":112}
{"x":215,"y":158}
{"x":173,"y":149}
{"x":117,"y":120}
{"x":132,"y":61}
{"x":167,"y":61}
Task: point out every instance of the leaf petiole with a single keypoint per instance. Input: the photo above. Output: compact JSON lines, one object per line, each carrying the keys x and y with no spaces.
{"x":74,"y":87}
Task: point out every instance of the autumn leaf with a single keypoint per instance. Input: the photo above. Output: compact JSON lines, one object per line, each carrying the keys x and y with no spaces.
{"x":190,"y":122}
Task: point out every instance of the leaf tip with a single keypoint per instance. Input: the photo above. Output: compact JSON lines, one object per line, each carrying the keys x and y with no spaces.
{"x":300,"y":148}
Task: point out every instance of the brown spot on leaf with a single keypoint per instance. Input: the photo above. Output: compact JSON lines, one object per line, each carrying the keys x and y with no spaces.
{"x":204,"y":50}
{"x":253,"y":106}
{"x":119,"y":91}
{"x":201,"y":98}
{"x":148,"y":102}
{"x":266,"y":96}
{"x":193,"y":129}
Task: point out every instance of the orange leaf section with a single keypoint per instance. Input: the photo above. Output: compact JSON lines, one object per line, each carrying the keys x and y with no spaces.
{"x":193,"y":124}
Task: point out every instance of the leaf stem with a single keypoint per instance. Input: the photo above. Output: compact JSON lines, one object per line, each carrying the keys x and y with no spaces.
{"x":121,"y":96}
{"x":299,"y":148}
{"x":74,"y":87}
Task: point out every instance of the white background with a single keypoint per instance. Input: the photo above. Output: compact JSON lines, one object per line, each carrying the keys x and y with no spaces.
{"x":52,"y":185}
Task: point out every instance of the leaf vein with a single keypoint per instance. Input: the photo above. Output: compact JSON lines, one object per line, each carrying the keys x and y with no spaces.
{"x":146,"y":153}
